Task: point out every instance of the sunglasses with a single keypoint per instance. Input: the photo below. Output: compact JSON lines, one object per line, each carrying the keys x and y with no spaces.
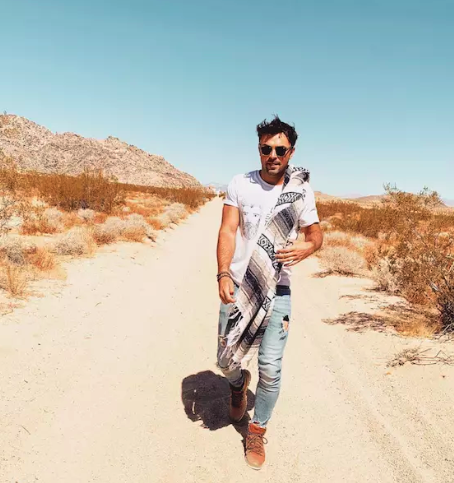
{"x":266,"y":150}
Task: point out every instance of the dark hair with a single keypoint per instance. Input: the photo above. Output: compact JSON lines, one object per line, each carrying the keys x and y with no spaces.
{"x":276,"y":126}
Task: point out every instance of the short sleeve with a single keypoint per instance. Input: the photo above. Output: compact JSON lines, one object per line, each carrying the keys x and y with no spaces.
{"x":231,"y":197}
{"x":309,"y":215}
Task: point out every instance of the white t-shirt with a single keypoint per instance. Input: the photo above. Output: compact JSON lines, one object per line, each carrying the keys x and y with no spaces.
{"x":256,"y":200}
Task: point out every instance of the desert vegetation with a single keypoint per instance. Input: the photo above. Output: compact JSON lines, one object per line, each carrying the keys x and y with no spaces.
{"x":405,"y":244}
{"x":45,"y":218}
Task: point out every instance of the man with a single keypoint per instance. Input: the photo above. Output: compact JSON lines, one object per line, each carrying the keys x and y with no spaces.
{"x":264,"y":213}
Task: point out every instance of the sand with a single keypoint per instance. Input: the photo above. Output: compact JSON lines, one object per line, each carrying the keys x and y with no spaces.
{"x":110,"y":378}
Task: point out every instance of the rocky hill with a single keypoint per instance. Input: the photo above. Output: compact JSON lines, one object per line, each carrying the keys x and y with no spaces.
{"x":36,"y":148}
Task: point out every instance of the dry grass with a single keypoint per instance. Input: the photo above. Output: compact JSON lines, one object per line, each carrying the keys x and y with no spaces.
{"x":338,"y":239}
{"x":87,"y":215}
{"x":136,"y":229}
{"x":133,"y":228}
{"x":342,"y":261}
{"x":90,"y":190}
{"x":176,"y":212}
{"x":75,"y":242}
{"x":384,"y":218}
{"x":76,"y":210}
{"x":412,"y":253}
{"x":38,"y":220}
{"x":383,"y":274}
{"x":12,"y":249}
{"x":42,"y":259}
{"x":155,"y":223}
{"x":108,"y":232}
{"x":13,"y":279}
{"x":191,"y":197}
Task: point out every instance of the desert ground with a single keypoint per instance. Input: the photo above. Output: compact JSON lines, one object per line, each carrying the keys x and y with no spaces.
{"x":111,"y":378}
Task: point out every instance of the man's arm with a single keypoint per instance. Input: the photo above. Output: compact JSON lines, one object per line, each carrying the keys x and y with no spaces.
{"x":226,"y":249}
{"x":299,"y":250}
{"x":313,"y":234}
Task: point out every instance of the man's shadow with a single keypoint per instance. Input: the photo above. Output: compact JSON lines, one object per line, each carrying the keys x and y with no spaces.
{"x":206,"y":397}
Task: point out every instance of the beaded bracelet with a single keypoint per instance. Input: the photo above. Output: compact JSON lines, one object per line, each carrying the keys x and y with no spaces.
{"x":223,"y":274}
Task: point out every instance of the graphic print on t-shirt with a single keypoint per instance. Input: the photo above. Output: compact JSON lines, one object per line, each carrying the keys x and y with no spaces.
{"x":268,"y":216}
{"x":251,"y":215}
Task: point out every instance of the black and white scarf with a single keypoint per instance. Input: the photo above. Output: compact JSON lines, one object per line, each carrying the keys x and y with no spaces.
{"x":249,"y":316}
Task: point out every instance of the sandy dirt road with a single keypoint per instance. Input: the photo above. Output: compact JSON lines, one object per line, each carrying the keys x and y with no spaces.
{"x":111,"y":378}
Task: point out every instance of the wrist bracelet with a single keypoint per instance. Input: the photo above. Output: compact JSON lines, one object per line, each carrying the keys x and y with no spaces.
{"x":223,"y":274}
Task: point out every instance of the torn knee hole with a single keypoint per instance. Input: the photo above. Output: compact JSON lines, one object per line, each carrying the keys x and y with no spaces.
{"x":222,"y":341}
{"x":285,"y":323}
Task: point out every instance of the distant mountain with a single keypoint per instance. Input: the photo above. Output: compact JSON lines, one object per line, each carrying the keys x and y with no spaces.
{"x":36,"y":148}
{"x":448,"y":202}
{"x":217,"y":186}
{"x":371,"y":199}
{"x":319,"y":196}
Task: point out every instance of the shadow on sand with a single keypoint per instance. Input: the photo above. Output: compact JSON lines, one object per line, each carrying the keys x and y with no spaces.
{"x":416,"y":321}
{"x":205,"y":398}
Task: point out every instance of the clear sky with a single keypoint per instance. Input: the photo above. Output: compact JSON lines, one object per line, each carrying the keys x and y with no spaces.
{"x":368,"y":84}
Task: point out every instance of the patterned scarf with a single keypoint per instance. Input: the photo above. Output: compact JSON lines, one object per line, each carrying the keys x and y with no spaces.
{"x":249,"y":316}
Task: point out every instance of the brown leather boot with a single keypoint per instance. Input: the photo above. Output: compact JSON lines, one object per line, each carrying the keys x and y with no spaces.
{"x":255,"y":450}
{"x":238,"y":399}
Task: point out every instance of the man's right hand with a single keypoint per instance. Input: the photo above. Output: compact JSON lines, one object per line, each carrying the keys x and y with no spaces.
{"x":226,"y":290}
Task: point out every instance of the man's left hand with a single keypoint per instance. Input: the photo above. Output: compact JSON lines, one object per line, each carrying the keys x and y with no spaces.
{"x":295,"y":253}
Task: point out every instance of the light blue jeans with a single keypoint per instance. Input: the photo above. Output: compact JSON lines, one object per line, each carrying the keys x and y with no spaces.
{"x":270,"y":356}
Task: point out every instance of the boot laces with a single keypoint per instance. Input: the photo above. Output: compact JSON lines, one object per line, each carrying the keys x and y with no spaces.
{"x":255,"y":442}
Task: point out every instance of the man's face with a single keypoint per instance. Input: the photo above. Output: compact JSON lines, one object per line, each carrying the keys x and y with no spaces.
{"x":274,"y":164}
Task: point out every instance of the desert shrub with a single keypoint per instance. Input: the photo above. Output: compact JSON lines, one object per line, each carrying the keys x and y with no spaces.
{"x":89,"y":190}
{"x":341,"y":260}
{"x":75,"y":242}
{"x":191,"y":197}
{"x":414,"y":250}
{"x":115,"y":224}
{"x":422,"y":259}
{"x":103,"y":236}
{"x":13,"y":279}
{"x":340,"y":209}
{"x":100,"y":218}
{"x":337,"y":239}
{"x":326,"y":225}
{"x":9,"y":174}
{"x":176,"y":212}
{"x":136,"y":228}
{"x":32,"y":222}
{"x":361,"y":243}
{"x":133,"y":228}
{"x":38,"y":219}
{"x":109,"y":231}
{"x":445,"y":304}
{"x":86,"y":215}
{"x":9,"y":183}
{"x":53,"y":219}
{"x":42,"y":259}
{"x":164,"y":220}
{"x":384,"y":275}
{"x":13,"y":250}
{"x":155,"y":223}
{"x":386,"y":217}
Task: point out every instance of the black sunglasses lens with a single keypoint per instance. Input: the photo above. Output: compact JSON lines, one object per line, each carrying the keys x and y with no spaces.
{"x":281,"y":150}
{"x":265,"y":149}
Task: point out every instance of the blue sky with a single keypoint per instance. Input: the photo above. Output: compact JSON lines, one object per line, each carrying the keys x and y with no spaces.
{"x":369,"y":85}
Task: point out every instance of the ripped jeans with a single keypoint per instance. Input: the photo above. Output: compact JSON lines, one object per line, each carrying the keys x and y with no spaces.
{"x":270,"y":356}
